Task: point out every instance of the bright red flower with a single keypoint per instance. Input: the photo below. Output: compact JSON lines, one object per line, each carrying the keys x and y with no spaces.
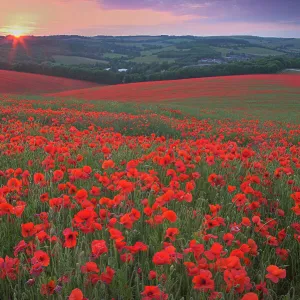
{"x":204,"y":281}
{"x":275,"y":273}
{"x":108,"y":276}
{"x":70,"y":238}
{"x":76,"y":294}
{"x":162,"y":258}
{"x":108,"y":164}
{"x":170,"y":215}
{"x":28,"y":229}
{"x":14,"y":184}
{"x":250,"y":296}
{"x":39,"y":178}
{"x":89,"y":267}
{"x":214,"y":252}
{"x":58,"y":175}
{"x":98,"y":248}
{"x":41,"y":257}
{"x":153,"y":292}
{"x":171,"y":233}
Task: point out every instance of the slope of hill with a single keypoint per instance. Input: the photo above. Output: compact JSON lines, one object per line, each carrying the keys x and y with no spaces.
{"x":217,"y":87}
{"x":25,"y":83}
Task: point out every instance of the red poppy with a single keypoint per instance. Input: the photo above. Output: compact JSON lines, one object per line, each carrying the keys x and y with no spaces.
{"x":250,"y":296}
{"x":41,"y":257}
{"x":48,"y":289}
{"x":170,"y":215}
{"x":58,"y":175}
{"x":89,"y":267}
{"x":81,"y":195}
{"x":161,"y":258}
{"x":153,"y":292}
{"x":98,"y":248}
{"x":171,"y":233}
{"x":275,"y":273}
{"x":108,"y":276}
{"x":76,"y":294}
{"x":204,"y":281}
{"x":28,"y":229}
{"x":214,"y":252}
{"x":14,"y":184}
{"x":70,"y":238}
{"x":39,"y":178}
{"x":108,"y":164}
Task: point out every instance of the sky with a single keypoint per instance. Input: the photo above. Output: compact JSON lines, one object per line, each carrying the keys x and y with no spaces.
{"x":278,"y":18}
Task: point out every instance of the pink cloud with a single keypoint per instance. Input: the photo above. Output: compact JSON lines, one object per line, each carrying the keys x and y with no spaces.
{"x":64,"y":17}
{"x":88,"y":17}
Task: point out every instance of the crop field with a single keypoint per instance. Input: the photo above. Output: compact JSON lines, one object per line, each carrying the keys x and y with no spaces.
{"x":258,"y":96}
{"x":248,"y":50}
{"x":77,"y":60}
{"x":149,"y":59}
{"x":181,"y":190}
{"x":25,"y":83}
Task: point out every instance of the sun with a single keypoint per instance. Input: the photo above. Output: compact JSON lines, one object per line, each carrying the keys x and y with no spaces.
{"x":17,"y":32}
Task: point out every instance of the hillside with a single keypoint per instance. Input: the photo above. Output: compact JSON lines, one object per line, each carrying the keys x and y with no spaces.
{"x":125,"y":51}
{"x":24,"y":83}
{"x":114,"y":60}
{"x":229,"y":86}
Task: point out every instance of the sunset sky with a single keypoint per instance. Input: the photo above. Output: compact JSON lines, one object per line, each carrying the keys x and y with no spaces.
{"x":151,"y":17}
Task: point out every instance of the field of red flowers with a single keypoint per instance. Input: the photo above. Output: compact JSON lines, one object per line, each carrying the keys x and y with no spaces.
{"x":107,"y":204}
{"x":217,"y":87}
{"x":25,"y":83}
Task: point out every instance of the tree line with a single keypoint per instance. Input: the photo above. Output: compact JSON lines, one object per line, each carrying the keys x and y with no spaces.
{"x":142,"y":72}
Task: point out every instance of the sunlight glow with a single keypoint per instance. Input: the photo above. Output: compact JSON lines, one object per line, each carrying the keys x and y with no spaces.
{"x":17,"y":31}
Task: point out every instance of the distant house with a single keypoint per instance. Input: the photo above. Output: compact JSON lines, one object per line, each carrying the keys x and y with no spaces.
{"x":122,"y":70}
{"x":237,"y":57}
{"x":209,"y":61}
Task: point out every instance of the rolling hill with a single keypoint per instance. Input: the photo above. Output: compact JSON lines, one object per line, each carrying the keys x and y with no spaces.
{"x":217,"y":87}
{"x":24,"y":83}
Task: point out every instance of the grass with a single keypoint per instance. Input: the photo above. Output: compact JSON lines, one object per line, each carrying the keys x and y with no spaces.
{"x":258,"y":51}
{"x":77,"y":60}
{"x":154,"y":51}
{"x":114,"y":55}
{"x":148,"y":59}
{"x":249,"y":50}
{"x":258,"y":97}
{"x":262,"y":107}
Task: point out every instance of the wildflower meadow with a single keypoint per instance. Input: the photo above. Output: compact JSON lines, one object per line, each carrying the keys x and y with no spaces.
{"x":136,"y":202}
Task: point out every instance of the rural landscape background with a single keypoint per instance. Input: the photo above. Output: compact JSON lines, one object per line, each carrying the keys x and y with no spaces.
{"x":150,"y":150}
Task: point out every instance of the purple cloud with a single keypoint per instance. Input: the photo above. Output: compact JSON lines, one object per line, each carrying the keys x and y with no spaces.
{"x":222,"y":10}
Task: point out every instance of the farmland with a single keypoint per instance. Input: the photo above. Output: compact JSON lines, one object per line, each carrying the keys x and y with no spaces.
{"x":248,"y":96}
{"x":77,"y":60}
{"x":183,"y":189}
{"x":147,"y":58}
{"x":24,"y":83}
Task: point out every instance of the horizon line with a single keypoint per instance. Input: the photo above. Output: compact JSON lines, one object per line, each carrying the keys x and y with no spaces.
{"x":149,"y":35}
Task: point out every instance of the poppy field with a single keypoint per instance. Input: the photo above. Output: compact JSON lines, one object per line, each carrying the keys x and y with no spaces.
{"x":272,"y":97}
{"x":216,"y":87}
{"x":136,"y":202}
{"x":24,"y":83}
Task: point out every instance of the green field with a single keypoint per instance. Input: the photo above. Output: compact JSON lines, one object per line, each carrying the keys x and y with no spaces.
{"x":77,"y":60}
{"x":148,"y":59}
{"x":154,"y":51}
{"x":248,"y":50}
{"x":113,"y":55}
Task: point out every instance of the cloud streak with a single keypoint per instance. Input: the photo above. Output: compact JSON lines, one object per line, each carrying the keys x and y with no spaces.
{"x":120,"y":17}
